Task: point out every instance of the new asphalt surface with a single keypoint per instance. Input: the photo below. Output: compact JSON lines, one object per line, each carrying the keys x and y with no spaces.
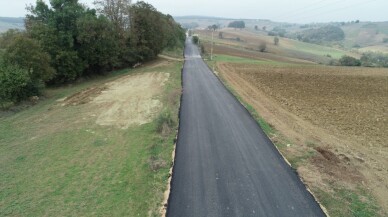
{"x":225,"y":165}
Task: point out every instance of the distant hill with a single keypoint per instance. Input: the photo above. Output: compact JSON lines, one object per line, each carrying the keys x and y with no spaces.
{"x":11,"y":23}
{"x":362,"y":36}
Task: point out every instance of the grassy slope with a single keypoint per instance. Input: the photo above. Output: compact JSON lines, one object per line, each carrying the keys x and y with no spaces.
{"x":55,"y":163}
{"x":341,"y":202}
{"x":286,"y":48}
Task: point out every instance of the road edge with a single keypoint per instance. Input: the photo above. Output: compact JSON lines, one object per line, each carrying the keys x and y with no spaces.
{"x":167,"y":192}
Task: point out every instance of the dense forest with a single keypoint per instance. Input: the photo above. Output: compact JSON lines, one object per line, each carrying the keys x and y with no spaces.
{"x":321,"y":35}
{"x":67,"y":40}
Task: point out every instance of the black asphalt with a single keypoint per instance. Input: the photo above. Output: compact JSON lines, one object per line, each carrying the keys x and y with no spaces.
{"x":225,"y":165}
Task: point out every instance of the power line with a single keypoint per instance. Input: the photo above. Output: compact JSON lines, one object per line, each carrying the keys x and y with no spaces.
{"x":339,"y":9}
{"x":300,"y":9}
{"x":309,"y":10}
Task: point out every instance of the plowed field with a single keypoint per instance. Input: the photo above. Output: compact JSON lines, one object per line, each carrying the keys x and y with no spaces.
{"x":342,"y":111}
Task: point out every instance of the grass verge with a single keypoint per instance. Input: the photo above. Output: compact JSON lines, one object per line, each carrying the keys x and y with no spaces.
{"x":55,"y":161}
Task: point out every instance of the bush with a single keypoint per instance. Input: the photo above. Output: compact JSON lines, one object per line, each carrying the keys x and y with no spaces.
{"x":262,"y":47}
{"x":164,"y":122}
{"x":195,"y":39}
{"x":349,"y":61}
{"x":385,"y":40}
{"x":15,"y":85}
{"x":374,"y":59}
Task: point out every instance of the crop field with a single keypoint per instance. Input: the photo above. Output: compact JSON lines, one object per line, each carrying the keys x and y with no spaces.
{"x":287,"y":48}
{"x":334,"y":122}
{"x":98,"y":148}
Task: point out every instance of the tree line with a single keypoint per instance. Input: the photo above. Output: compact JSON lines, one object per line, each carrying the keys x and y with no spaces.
{"x":66,"y":40}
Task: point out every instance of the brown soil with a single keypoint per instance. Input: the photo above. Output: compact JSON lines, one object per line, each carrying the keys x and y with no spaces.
{"x":84,"y":96}
{"x":338,"y":113}
{"x":130,"y":100}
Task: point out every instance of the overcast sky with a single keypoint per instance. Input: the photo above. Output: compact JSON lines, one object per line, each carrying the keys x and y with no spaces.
{"x":300,"y":11}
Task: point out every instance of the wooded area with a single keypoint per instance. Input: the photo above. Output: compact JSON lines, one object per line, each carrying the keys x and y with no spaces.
{"x":67,"y":40}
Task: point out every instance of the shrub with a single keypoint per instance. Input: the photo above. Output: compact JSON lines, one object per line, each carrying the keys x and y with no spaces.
{"x":385,"y":40}
{"x":349,"y":61}
{"x":262,"y":47}
{"x":15,"y":85}
{"x":164,"y":122}
{"x":374,"y":59}
{"x":195,"y":39}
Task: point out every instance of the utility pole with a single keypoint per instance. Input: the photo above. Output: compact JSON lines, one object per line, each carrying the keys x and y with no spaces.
{"x":211,"y":50}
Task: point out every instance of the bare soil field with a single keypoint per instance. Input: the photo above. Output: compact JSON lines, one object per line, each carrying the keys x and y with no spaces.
{"x":335,"y":120}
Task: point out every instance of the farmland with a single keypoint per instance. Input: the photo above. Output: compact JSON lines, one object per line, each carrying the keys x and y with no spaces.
{"x":329,"y":122}
{"x":96,"y":148}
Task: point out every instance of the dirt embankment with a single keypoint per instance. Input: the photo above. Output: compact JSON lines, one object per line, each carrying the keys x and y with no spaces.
{"x":130,"y":100}
{"x":341,"y":113}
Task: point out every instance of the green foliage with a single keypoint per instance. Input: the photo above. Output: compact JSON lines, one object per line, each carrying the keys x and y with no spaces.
{"x":56,"y":28}
{"x":7,"y":37}
{"x":98,"y":43}
{"x":323,"y":34}
{"x":277,"y":31}
{"x":349,"y":61}
{"x":374,"y":59}
{"x":276,"y":40}
{"x":237,"y":24}
{"x":195,"y":39}
{"x":385,"y":40}
{"x":262,"y":47}
{"x":164,"y":121}
{"x":152,"y":31}
{"x":65,"y":40}
{"x":27,"y":54}
{"x":14,"y":84}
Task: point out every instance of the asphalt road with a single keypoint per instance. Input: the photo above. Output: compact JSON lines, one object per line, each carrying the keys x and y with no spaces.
{"x":225,"y":165}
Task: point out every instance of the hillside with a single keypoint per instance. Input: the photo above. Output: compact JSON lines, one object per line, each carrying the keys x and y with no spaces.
{"x":359,"y":36}
{"x":11,"y":23}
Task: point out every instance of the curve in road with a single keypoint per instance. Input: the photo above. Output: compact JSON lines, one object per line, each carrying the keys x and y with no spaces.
{"x":225,"y":165}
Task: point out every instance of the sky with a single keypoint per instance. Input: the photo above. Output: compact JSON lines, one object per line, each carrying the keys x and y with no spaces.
{"x":294,"y":11}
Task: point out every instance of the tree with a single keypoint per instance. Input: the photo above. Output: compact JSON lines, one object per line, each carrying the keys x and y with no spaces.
{"x":213,"y":27}
{"x":55,"y":29}
{"x":195,"y":39}
{"x":153,"y":30}
{"x":263,"y":47}
{"x":98,"y":43}
{"x":256,"y":28}
{"x":349,"y":61}
{"x":7,"y":37}
{"x":220,"y":35}
{"x":118,"y":11}
{"x":237,"y":24}
{"x":14,"y":84}
{"x":276,"y":40}
{"x":27,"y":54}
{"x":264,"y":28}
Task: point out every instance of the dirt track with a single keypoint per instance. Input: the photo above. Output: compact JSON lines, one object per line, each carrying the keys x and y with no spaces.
{"x":342,"y":110}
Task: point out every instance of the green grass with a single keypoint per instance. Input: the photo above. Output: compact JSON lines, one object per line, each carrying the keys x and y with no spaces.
{"x":317,"y":49}
{"x":174,"y":52}
{"x":242,"y":60}
{"x":342,"y":202}
{"x":55,"y":161}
